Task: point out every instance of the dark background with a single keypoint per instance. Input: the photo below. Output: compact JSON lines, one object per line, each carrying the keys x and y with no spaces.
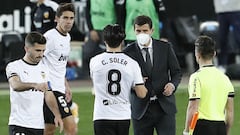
{"x":203,"y":8}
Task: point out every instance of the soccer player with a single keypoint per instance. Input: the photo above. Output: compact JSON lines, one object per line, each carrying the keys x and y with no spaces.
{"x":55,"y":57}
{"x":114,"y":74}
{"x":43,"y":19}
{"x":210,"y":94}
{"x":28,"y":86}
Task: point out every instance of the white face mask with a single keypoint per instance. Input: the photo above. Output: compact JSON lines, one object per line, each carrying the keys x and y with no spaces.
{"x":143,"y":38}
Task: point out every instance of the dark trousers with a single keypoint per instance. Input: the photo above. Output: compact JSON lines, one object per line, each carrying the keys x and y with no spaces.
{"x":155,"y":118}
{"x":225,"y":21}
{"x":111,"y":127}
{"x":205,"y":127}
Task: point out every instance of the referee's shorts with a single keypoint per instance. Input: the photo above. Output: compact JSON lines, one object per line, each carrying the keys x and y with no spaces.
{"x":207,"y":127}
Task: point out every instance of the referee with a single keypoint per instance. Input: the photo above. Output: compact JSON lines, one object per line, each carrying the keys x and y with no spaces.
{"x":210,"y":93}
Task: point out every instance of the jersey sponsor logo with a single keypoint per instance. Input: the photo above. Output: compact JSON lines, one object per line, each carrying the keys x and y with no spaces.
{"x":25,"y":72}
{"x":113,"y":102}
{"x":105,"y":102}
{"x":194,"y":88}
{"x":63,"y":58}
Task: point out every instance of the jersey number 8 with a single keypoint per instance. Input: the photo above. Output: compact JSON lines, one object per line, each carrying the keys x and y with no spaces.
{"x":114,"y":78}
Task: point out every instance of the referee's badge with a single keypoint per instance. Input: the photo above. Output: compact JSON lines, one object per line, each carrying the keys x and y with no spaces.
{"x":46,"y":14}
{"x":43,"y":74}
{"x":66,"y":110}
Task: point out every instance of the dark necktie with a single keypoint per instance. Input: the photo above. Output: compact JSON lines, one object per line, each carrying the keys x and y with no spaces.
{"x":148,"y":60}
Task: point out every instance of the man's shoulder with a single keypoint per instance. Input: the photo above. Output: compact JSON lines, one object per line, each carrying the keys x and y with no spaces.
{"x":161,"y":42}
{"x":15,"y":62}
{"x":129,"y":47}
{"x":50,"y":33}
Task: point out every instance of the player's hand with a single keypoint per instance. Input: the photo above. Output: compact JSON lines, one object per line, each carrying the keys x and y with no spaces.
{"x":41,"y":87}
{"x":185,"y":133}
{"x":58,"y":123}
{"x":68,"y":95}
{"x":168,"y":89}
{"x":94,"y":36}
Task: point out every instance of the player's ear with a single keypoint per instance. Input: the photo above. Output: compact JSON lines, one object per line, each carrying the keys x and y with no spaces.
{"x":26,"y":48}
{"x":56,"y":19}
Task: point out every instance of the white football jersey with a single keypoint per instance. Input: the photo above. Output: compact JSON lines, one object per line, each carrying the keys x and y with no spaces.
{"x":113,"y":76}
{"x":55,"y":57}
{"x":27,"y":106}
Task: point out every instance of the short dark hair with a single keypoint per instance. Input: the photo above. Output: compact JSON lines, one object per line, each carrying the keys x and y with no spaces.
{"x":64,"y":7}
{"x":143,"y":19}
{"x":35,"y":37}
{"x":205,"y":46}
{"x":113,"y":35}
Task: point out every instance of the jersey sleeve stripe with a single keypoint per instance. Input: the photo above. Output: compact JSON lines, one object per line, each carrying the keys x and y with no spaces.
{"x":140,"y":84}
{"x":192,"y":99}
{"x":12,"y":74}
{"x":231,"y":94}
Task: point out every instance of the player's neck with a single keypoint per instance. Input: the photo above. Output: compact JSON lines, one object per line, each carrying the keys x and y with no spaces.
{"x":28,"y":60}
{"x":60,"y":30}
{"x":118,"y":49}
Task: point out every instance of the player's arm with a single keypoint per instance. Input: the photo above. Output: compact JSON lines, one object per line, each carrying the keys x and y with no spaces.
{"x":52,"y":104}
{"x":68,"y":91}
{"x":229,"y":113}
{"x":139,"y":87}
{"x":191,"y":110}
{"x":141,"y":90}
{"x":17,"y":85}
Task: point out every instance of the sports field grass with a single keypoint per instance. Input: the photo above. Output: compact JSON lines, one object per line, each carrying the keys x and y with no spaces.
{"x":85,"y":102}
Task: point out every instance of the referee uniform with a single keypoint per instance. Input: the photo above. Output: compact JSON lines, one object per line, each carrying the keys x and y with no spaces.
{"x":212,"y":88}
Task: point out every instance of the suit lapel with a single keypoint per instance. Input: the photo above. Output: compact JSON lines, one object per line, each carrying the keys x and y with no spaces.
{"x":156,"y":54}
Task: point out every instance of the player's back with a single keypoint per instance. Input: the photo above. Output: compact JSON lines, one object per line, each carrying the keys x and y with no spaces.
{"x":113,"y":76}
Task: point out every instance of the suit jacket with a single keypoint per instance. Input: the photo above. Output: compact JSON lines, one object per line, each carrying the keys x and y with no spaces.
{"x":165,"y":69}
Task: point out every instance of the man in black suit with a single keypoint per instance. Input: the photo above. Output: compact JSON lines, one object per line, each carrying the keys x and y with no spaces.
{"x":162,"y":74}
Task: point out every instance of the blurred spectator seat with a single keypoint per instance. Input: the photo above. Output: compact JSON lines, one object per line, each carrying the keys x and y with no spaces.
{"x":12,"y":47}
